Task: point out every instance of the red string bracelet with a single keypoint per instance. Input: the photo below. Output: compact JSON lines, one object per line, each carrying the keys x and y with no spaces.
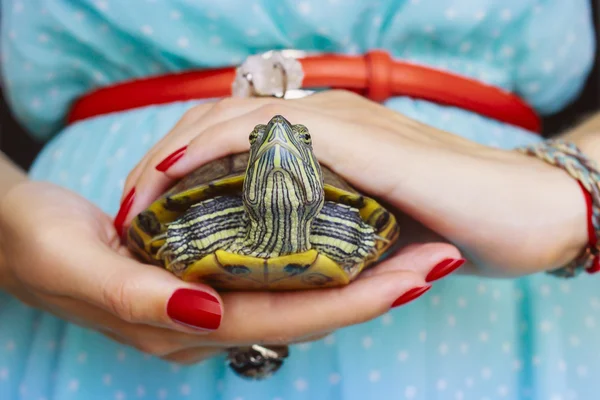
{"x":568,"y":157}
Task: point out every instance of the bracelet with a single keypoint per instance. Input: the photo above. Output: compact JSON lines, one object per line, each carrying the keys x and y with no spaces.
{"x":567,"y":156}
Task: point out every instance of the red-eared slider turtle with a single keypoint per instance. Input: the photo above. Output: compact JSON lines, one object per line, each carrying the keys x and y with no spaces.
{"x":269,"y":219}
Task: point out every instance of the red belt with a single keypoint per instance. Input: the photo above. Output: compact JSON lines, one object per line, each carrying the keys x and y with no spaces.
{"x":375,"y":75}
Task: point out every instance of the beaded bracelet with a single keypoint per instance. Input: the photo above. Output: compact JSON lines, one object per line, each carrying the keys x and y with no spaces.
{"x":567,"y":156}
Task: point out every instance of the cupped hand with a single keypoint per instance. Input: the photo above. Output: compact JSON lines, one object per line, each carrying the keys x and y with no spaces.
{"x":511,"y":214}
{"x":63,"y":255}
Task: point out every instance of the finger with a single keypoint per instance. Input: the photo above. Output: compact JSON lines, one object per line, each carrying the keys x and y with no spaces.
{"x":194,"y":355}
{"x":283,"y":317}
{"x":155,"y":177}
{"x":440,"y":260}
{"x":135,"y":292}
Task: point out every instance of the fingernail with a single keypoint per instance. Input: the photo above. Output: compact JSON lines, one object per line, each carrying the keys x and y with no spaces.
{"x":410,"y":295}
{"x":195,"y":309}
{"x":444,"y":268}
{"x":123,"y":211}
{"x":171,"y":159}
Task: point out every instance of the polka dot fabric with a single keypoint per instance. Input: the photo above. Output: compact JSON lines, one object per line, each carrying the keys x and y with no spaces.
{"x":467,"y":338}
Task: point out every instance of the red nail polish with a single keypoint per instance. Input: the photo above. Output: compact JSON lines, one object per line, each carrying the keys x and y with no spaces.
{"x":444,"y":268}
{"x":410,"y":295}
{"x":171,"y":159}
{"x":123,"y":211}
{"x":195,"y":309}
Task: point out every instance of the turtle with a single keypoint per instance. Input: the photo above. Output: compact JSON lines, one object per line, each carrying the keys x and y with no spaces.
{"x":270,"y":218}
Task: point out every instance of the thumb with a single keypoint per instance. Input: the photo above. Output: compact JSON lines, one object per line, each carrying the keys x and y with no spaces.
{"x":140,"y":293}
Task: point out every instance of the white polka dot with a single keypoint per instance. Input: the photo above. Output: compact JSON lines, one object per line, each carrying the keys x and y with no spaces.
{"x":387,"y":319}
{"x":574,"y":341}
{"x":506,"y":346}
{"x":415,"y":1}
{"x":556,"y":397}
{"x":304,"y":346}
{"x":162,"y":394}
{"x":301,"y":385}
{"x":304,"y":8}
{"x":23,"y":390}
{"x":119,"y":395}
{"x":571,"y":38}
{"x":459,"y":395}
{"x":496,"y":294}
{"x":435,"y":300}
{"x":545,"y":326}
{"x":147,"y":30}
{"x":402,"y":355}
{"x":102,"y":5}
{"x":469,"y":382}
{"x":367,"y":342}
{"x":429,"y":29}
{"x":185,"y":389}
{"x":441,"y":385}
{"x":465,"y":47}
{"x":36,"y":102}
{"x":450,"y":14}
{"x":582,"y":371}
{"x":43,"y":38}
{"x":493,"y":316}
{"x":212,"y":15}
{"x":79,"y":16}
{"x":423,"y":336}
{"x":558,"y":311}
{"x":3,"y":374}
{"x":374,"y":376}
{"x":73,"y":385}
{"x":183,"y":42}
{"x":107,"y":379}
{"x":481,"y":288}
{"x":443,"y":349}
{"x":462,"y":302}
{"x":548,"y":66}
{"x":410,"y":392}
{"x":503,"y":391}
{"x":215,"y":40}
{"x":175,"y":368}
{"x":507,"y":51}
{"x":140,"y":391}
{"x":590,"y":321}
{"x":480,"y":15}
{"x":17,"y":7}
{"x":334,"y":378}
{"x":536,"y":360}
{"x":329,"y":340}
{"x":464,"y":348}
{"x":484,"y":336}
{"x":517,"y":365}
{"x":252,"y":32}
{"x":506,"y":15}
{"x":120,"y":355}
{"x":486,"y":373}
{"x":451,"y":320}
{"x":377,"y":21}
{"x":114,"y":127}
{"x":175,"y":14}
{"x":533,"y":88}
{"x":562,"y":365}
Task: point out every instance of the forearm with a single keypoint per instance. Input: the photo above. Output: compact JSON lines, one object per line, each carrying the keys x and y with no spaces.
{"x":10,"y":175}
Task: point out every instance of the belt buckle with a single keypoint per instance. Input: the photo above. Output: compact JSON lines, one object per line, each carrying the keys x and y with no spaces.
{"x":274,"y":73}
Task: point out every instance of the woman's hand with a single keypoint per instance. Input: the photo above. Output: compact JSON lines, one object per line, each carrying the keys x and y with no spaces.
{"x":62,"y":254}
{"x":510,"y":213}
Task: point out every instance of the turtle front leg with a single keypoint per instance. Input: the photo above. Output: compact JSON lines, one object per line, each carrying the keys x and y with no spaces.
{"x":339,"y":232}
{"x":205,"y":227}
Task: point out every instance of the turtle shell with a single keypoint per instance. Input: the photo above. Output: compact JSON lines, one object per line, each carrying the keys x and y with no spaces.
{"x":226,"y":270}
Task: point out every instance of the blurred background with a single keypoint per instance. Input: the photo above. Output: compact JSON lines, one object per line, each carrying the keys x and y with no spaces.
{"x":22,"y":149}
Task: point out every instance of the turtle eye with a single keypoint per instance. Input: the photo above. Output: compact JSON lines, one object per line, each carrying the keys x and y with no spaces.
{"x":306,"y":138}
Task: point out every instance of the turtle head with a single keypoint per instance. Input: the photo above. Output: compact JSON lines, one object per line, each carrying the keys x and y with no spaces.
{"x":283,"y":188}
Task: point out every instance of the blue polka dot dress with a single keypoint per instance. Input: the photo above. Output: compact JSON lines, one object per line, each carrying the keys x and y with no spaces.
{"x":467,"y":338}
